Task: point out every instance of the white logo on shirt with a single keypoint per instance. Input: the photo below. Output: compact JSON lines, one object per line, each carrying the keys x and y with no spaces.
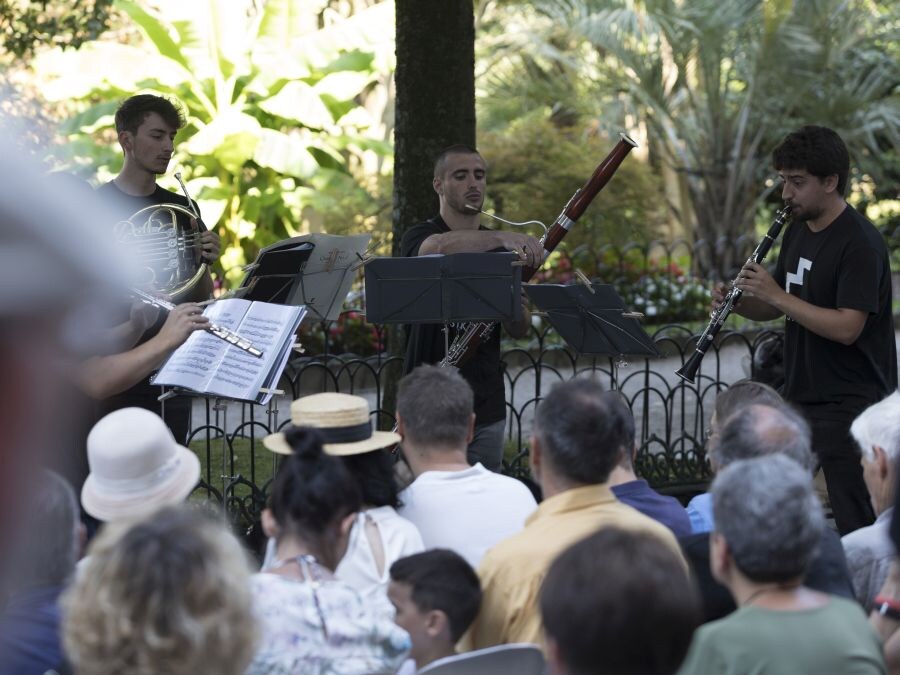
{"x":803,"y":265}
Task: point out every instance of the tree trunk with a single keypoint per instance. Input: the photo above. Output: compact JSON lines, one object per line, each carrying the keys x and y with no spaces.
{"x":435,"y":104}
{"x":435,"y":108}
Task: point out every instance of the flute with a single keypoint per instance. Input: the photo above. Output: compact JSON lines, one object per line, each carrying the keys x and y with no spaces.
{"x":220,"y":332}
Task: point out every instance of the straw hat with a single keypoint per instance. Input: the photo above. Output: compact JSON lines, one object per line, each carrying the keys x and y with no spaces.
{"x":136,"y":466}
{"x":341,"y":419}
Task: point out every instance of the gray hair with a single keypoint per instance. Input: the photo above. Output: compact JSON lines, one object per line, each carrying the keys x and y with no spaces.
{"x":436,"y":405}
{"x":767,"y":512}
{"x":763,"y":430}
{"x":46,"y":548}
{"x":879,"y":424}
{"x":583,"y":430}
{"x":743,"y":393}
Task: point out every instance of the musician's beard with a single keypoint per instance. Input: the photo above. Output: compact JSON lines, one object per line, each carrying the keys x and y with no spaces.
{"x":806,"y":213}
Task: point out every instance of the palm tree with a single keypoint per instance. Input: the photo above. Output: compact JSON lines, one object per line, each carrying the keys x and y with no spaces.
{"x":718,"y":84}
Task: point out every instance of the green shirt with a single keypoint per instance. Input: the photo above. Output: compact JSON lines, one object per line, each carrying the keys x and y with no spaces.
{"x":832,"y":640}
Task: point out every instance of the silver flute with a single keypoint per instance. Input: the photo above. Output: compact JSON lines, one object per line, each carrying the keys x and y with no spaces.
{"x":220,"y":332}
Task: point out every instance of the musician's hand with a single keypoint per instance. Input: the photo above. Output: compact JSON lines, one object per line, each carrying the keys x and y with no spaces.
{"x":212,"y":246}
{"x":527,"y":247}
{"x":719,"y":291}
{"x":181,"y":322}
{"x":756,"y":282}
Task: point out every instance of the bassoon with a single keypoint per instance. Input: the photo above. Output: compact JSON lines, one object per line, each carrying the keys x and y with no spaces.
{"x":466,"y":342}
{"x":688,"y":372}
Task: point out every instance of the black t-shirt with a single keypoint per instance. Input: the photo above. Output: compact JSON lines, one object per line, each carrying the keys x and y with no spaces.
{"x":844,"y":266}
{"x":425,"y":342}
{"x":143,"y":394}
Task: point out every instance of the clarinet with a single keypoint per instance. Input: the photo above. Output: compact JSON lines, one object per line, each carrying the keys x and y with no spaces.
{"x":689,"y":370}
{"x":464,"y":344}
{"x":230,"y":337}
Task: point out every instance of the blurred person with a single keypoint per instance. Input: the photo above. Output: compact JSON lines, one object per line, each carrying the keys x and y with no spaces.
{"x":146,"y":127}
{"x":312,"y":621}
{"x":869,"y":549}
{"x":467,"y":509}
{"x":636,"y":492}
{"x":460,"y":181}
{"x":832,"y":283}
{"x":634,"y":618}
{"x":579,"y":433}
{"x":41,"y":566}
{"x":53,"y":291}
{"x":739,"y":395}
{"x":768,"y":525}
{"x":379,"y":536}
{"x":436,"y":595}
{"x":169,"y":593}
{"x":136,"y":467}
{"x":758,"y":431}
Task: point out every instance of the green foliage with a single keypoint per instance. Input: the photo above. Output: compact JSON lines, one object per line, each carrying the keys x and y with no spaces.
{"x":535,"y":166}
{"x":28,"y":24}
{"x":660,"y":288}
{"x":716,"y":85}
{"x":279,"y":137}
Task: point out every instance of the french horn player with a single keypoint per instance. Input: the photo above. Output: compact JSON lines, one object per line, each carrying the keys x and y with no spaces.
{"x":173,"y":249}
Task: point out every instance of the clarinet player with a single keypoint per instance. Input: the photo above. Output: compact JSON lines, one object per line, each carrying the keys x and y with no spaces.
{"x":832,"y":283}
{"x":460,"y":180}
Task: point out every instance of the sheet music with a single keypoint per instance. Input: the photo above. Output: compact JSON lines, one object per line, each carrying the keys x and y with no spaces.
{"x":210,"y":365}
{"x":329,"y":272}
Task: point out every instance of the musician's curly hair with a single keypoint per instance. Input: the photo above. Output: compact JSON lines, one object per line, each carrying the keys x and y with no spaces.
{"x":169,"y":594}
{"x":133,"y":111}
{"x":818,"y":150}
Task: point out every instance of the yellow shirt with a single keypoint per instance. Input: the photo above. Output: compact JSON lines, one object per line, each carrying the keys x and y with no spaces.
{"x":512,"y":572}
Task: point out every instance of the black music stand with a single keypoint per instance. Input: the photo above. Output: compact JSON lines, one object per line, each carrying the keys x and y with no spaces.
{"x":444,"y":288}
{"x":276,"y":273}
{"x":592,"y":319}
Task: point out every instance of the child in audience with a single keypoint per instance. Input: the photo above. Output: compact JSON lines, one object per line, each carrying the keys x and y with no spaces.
{"x":436,"y":595}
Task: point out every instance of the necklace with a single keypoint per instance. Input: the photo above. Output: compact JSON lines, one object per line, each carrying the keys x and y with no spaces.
{"x":768,"y":589}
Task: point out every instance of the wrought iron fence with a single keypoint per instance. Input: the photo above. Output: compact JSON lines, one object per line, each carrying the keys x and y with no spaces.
{"x":670,"y":415}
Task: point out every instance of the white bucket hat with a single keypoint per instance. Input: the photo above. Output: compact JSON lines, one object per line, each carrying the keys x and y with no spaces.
{"x":342,"y":420}
{"x":136,"y":466}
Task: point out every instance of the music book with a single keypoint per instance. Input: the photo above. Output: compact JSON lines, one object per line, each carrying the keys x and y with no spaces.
{"x":208,"y":365}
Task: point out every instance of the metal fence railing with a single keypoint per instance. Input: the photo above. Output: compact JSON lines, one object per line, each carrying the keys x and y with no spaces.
{"x":671,"y":416}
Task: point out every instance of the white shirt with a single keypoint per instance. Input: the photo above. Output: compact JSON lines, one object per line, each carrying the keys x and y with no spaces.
{"x":399,"y":538}
{"x":467,"y":511}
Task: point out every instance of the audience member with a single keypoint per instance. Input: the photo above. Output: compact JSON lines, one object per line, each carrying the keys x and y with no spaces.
{"x":869,"y":549}
{"x":636,"y":492}
{"x":30,"y":639}
{"x":618,"y":603}
{"x":579,"y":433}
{"x":136,"y":466}
{"x":379,"y":536}
{"x":166,"y":594}
{"x":436,"y":596}
{"x":755,"y":432}
{"x":737,"y":397}
{"x":312,"y":621}
{"x":465,"y":508}
{"x":768,"y":525}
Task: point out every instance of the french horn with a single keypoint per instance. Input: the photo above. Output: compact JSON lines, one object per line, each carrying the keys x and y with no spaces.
{"x":166,"y":248}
